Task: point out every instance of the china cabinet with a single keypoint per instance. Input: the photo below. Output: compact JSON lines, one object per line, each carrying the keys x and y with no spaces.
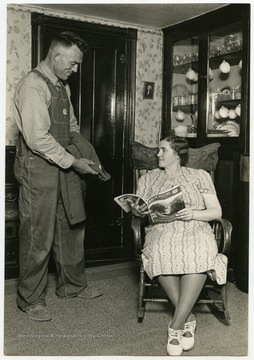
{"x":206,"y":94}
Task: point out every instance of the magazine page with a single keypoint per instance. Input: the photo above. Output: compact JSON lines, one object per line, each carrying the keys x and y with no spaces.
{"x":126,"y":199}
{"x":164,"y":206}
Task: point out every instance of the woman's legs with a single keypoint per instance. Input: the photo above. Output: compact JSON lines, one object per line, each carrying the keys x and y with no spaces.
{"x":171,"y":285}
{"x":183,"y":292}
{"x":191,"y":285}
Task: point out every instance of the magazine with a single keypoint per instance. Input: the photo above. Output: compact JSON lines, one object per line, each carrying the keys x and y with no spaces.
{"x":162,"y":207}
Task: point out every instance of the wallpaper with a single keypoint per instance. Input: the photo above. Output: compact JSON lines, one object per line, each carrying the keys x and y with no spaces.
{"x":18,"y":63}
{"x":149,"y":68}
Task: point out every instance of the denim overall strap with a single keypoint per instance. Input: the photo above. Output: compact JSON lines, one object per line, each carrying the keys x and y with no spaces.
{"x":59,"y":111}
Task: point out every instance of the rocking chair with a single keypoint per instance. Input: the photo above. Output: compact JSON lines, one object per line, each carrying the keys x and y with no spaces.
{"x":213,"y":294}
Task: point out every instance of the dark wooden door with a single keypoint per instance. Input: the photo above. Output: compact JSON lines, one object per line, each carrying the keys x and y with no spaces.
{"x":102,"y":96}
{"x":103,"y":122}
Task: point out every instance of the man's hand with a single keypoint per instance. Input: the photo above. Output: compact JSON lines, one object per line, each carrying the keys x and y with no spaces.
{"x":82,"y":165}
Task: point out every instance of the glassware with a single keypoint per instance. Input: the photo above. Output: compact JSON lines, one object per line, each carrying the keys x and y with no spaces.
{"x":223,"y":96}
{"x":184,"y":87}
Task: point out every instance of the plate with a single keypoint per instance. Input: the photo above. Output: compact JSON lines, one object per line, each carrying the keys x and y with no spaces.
{"x":180,"y":90}
{"x":232,"y":128}
{"x":225,"y":134}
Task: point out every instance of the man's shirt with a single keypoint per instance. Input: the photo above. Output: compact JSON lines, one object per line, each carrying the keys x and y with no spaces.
{"x":31,"y":102}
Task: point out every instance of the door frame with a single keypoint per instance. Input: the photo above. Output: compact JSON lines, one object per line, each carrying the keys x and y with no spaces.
{"x":39,"y":23}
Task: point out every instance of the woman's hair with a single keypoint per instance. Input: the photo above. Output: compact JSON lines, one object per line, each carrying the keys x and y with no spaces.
{"x":180,"y":146}
{"x":69,"y":38}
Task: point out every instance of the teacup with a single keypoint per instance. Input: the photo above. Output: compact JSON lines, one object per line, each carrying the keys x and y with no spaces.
{"x":181,"y":130}
{"x":180,"y":115}
{"x":232,"y":114}
{"x":223,"y":112}
{"x":190,"y":75}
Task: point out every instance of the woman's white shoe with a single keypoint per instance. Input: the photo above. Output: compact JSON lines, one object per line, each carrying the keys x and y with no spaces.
{"x":189,"y":341}
{"x":174,"y":346}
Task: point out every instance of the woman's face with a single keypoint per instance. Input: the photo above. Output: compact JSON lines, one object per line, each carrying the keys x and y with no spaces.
{"x":166,"y":155}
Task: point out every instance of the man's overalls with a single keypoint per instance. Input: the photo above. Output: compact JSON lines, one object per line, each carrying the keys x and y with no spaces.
{"x":44,"y":217}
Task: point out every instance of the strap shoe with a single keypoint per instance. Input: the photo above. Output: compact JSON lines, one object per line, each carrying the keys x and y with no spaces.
{"x":188,"y":339}
{"x":174,"y":345}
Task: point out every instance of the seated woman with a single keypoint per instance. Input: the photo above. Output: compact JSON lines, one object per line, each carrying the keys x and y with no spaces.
{"x":181,"y":253}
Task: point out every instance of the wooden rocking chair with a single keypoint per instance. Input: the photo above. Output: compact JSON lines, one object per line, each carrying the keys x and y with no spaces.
{"x":206,"y":158}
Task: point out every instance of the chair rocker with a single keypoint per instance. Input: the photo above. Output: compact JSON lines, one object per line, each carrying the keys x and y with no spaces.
{"x":212,"y":294}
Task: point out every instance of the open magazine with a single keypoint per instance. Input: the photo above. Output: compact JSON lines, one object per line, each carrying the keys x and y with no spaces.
{"x":162,"y":207}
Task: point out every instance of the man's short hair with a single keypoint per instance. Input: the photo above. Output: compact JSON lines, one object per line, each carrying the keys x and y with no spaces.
{"x":69,"y":38}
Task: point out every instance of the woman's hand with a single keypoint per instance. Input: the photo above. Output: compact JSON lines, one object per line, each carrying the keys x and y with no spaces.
{"x":212,"y":210}
{"x":138,"y":210}
{"x":185,"y":214}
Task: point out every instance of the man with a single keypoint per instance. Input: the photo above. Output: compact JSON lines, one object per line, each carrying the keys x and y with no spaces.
{"x":51,"y":208}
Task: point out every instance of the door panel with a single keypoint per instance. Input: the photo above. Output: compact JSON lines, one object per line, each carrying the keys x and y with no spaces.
{"x":103,"y":103}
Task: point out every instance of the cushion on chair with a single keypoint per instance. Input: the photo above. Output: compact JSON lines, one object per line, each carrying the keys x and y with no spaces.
{"x":144,"y":157}
{"x":205,"y":157}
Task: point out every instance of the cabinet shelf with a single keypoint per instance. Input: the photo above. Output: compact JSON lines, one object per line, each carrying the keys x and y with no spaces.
{"x":214,"y":62}
{"x":189,"y":108}
{"x":232,"y":58}
{"x":182,"y":69}
{"x":228,"y":103}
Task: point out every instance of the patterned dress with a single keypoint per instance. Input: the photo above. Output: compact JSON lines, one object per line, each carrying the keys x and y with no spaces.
{"x":181,"y":247}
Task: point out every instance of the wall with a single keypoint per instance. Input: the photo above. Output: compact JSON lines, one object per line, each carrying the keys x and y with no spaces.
{"x":18,"y":63}
{"x":149,"y":68}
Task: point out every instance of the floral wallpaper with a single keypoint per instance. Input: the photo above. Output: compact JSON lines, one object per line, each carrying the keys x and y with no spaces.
{"x":149,"y":68}
{"x":18,"y":63}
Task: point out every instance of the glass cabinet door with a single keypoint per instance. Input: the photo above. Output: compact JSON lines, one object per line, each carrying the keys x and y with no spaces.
{"x":184,"y":102}
{"x":224,"y":79}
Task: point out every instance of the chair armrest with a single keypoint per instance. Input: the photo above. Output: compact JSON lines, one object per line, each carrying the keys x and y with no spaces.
{"x":222,"y":231}
{"x":136,"y":225}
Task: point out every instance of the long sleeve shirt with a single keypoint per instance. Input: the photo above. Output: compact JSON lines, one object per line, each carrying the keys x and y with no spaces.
{"x":31,"y":102}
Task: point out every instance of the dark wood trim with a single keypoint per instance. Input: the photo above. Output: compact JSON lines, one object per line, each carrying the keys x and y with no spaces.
{"x":245,"y":133}
{"x":213,"y":19}
{"x":57,"y":22}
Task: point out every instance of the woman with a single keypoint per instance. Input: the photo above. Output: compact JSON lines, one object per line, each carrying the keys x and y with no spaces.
{"x":181,"y":252}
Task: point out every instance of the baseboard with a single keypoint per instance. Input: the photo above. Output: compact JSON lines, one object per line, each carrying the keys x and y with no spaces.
{"x":93,"y":274}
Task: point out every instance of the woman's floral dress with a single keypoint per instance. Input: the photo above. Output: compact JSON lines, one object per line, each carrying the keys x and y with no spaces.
{"x":181,"y":247}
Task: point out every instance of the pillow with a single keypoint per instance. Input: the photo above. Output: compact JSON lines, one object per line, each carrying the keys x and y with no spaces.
{"x":205,"y":157}
{"x":144,"y":157}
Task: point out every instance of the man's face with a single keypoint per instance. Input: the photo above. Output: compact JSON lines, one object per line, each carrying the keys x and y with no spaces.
{"x":66,"y":61}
